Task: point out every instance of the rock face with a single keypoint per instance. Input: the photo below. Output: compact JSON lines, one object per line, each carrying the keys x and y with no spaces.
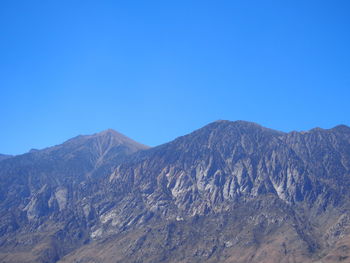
{"x":228,"y":192}
{"x":40,"y":194}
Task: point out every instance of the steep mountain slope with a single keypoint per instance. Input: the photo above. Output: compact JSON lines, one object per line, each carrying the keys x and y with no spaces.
{"x":228,"y":192}
{"x":39,"y":192}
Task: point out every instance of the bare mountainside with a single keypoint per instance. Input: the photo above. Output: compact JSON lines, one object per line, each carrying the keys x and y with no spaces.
{"x":4,"y":156}
{"x":228,"y":192}
{"x":41,"y":192}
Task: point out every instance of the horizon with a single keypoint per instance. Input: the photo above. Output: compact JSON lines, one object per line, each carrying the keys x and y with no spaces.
{"x":152,"y":146}
{"x":155,"y":71}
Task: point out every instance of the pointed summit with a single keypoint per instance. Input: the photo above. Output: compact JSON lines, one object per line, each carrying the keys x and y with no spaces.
{"x":107,"y":138}
{"x":119,"y":138}
{"x":108,"y":131}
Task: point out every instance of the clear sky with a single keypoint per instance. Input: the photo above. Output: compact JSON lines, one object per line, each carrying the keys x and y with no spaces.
{"x":155,"y":70}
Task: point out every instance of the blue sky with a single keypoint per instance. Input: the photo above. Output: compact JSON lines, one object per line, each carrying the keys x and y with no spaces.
{"x":155,"y":70}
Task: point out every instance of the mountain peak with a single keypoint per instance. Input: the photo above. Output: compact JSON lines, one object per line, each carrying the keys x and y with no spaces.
{"x":342,"y":128}
{"x":109,"y":132}
{"x":237,"y":179}
{"x":113,"y":137}
{"x":240,"y":126}
{"x":237,"y":122}
{"x":117,"y":138}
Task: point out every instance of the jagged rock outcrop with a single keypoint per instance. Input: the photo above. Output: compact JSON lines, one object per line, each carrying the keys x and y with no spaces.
{"x":228,"y":192}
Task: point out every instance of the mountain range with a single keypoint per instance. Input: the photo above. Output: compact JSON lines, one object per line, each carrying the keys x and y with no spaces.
{"x":228,"y":192}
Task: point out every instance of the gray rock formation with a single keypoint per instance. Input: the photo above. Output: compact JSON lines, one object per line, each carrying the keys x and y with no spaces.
{"x":228,"y":192}
{"x":41,"y":217}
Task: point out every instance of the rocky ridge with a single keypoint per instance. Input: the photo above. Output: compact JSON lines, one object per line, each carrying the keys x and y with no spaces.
{"x":228,"y":192}
{"x":40,"y":194}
